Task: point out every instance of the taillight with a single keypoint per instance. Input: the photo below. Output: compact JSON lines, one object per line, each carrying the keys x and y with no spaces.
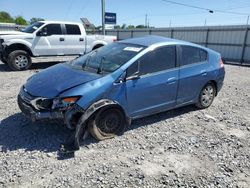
{"x":221,"y":63}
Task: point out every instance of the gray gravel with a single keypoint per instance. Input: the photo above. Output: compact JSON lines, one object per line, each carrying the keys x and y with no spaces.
{"x":180,"y":148}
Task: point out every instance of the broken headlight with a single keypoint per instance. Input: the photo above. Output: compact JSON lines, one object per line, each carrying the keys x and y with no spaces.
{"x":64,"y":103}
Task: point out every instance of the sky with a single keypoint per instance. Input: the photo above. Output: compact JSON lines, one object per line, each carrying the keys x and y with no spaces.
{"x":132,"y":12}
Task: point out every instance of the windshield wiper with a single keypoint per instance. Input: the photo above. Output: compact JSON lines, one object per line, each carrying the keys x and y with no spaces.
{"x":100,"y":68}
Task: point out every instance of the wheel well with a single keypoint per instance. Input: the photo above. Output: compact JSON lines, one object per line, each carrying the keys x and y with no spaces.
{"x":97,"y":46}
{"x":14,"y":47}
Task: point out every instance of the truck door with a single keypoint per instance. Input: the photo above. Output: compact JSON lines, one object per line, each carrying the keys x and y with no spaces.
{"x":49,"y":40}
{"x":74,"y":40}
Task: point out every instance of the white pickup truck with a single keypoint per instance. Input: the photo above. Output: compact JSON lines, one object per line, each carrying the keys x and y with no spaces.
{"x":47,"y":38}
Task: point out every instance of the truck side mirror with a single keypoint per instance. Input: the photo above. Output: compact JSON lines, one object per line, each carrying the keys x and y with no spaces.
{"x":41,"y":33}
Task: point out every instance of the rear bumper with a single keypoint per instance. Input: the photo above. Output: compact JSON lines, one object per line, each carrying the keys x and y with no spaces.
{"x":34,"y":115}
{"x":220,"y":79}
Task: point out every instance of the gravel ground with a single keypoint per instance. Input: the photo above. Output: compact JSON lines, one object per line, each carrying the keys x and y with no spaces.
{"x":180,"y":148}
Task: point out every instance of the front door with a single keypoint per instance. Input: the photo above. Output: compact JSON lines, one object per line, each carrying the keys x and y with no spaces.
{"x":155,"y":88}
{"x":51,"y":41}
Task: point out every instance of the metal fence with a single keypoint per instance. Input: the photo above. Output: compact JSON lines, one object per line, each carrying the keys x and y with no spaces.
{"x":10,"y":27}
{"x":233,"y":42}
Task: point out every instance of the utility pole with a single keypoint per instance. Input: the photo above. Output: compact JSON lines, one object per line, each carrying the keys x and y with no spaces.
{"x":146,"y":20}
{"x":205,"y":22}
{"x":247,"y":19}
{"x":103,"y":17}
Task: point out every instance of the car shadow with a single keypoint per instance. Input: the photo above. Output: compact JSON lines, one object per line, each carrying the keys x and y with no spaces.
{"x":18,"y":132}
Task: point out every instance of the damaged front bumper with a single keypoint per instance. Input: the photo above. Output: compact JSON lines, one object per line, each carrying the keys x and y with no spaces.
{"x":34,"y":115}
{"x":69,"y":116}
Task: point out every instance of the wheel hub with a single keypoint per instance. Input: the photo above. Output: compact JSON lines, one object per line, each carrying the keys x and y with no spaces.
{"x":21,"y":61}
{"x":207,"y":95}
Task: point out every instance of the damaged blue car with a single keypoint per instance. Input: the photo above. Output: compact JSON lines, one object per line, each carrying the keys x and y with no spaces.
{"x":105,"y":89}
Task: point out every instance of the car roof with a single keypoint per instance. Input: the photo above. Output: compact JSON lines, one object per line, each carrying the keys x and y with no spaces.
{"x":58,"y":22}
{"x":153,"y":39}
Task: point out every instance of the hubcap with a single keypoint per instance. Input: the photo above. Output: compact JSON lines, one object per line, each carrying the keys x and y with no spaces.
{"x":207,"y":95}
{"x":109,"y":123}
{"x":21,"y":61}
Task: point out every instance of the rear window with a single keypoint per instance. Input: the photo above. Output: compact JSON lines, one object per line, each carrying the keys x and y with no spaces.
{"x":190,"y":55}
{"x":72,"y":29}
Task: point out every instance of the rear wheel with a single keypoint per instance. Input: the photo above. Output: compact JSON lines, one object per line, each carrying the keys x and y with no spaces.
{"x":206,"y":96}
{"x":19,"y":60}
{"x":107,"y":123}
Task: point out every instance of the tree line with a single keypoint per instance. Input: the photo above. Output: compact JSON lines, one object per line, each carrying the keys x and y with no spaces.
{"x":5,"y":17}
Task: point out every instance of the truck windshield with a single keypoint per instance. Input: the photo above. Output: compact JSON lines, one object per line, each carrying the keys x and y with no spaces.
{"x":108,"y":58}
{"x":32,"y":28}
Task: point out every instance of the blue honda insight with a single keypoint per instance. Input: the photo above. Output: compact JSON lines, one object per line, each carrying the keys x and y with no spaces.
{"x":105,"y":89}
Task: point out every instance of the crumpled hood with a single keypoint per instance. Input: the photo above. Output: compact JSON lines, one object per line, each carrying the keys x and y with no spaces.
{"x":52,"y":81}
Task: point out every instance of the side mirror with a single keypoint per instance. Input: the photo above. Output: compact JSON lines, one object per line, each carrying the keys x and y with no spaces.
{"x":41,"y":33}
{"x":133,"y":77}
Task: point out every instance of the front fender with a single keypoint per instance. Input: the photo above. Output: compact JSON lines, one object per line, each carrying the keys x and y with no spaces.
{"x":18,"y":41}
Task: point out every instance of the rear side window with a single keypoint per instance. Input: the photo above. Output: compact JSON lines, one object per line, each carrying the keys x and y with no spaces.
{"x":190,"y":55}
{"x":53,"y":29}
{"x":160,"y":59}
{"x":72,"y":29}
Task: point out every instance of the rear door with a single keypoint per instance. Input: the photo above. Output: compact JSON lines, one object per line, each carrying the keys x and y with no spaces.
{"x":74,"y":40}
{"x":51,"y":42}
{"x":193,"y":73}
{"x":156,"y":88}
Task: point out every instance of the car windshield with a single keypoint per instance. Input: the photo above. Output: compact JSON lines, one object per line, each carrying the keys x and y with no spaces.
{"x":32,"y":28}
{"x":107,"y":59}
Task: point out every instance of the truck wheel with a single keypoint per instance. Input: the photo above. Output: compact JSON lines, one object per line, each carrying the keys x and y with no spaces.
{"x":107,"y":123}
{"x":206,"y":96}
{"x":19,"y":60}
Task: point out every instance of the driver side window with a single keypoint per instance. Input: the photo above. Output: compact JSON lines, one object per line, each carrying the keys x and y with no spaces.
{"x":52,"y":29}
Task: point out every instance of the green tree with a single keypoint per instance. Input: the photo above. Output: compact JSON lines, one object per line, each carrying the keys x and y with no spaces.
{"x":19,"y":20}
{"x":5,"y":17}
{"x":117,"y":27}
{"x":130,"y":27}
{"x":33,"y":20}
{"x":140,"y":26}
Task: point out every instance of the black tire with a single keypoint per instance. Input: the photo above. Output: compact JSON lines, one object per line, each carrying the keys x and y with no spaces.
{"x":19,"y":60}
{"x":206,"y":96}
{"x":107,"y":123}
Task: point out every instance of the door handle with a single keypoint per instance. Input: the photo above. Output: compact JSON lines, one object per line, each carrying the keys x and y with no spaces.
{"x":61,"y":39}
{"x":171,"y":80}
{"x":81,"y":39}
{"x":203,"y":72}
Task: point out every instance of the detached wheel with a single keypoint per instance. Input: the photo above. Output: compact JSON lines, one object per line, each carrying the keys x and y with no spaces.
{"x":19,"y":60}
{"x":107,"y":124}
{"x":206,"y":96}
